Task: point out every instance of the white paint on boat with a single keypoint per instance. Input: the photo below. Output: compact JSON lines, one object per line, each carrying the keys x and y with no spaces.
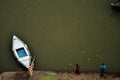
{"x":21,"y":52}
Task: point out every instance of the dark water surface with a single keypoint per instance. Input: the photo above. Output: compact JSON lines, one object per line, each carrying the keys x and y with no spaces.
{"x":61,"y":33}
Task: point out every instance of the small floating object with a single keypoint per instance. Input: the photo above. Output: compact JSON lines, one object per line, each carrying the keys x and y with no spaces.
{"x":97,"y":55}
{"x":83,"y":51}
{"x":89,"y":60}
{"x":70,"y":64}
{"x":101,"y":57}
{"x":65,"y":68}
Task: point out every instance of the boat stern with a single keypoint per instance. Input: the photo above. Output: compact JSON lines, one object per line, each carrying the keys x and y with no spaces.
{"x":26,"y":63}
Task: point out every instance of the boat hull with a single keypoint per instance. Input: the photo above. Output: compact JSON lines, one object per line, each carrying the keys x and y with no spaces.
{"x":21,"y":52}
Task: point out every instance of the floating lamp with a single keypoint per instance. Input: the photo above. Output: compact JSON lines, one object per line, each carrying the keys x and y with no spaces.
{"x":65,"y":68}
{"x":88,"y":59}
{"x":97,"y":55}
{"x":101,"y":57}
{"x":70,"y":64}
{"x":83,"y":51}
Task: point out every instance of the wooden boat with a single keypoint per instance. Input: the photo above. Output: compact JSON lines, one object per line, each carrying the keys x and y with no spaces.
{"x":21,"y":52}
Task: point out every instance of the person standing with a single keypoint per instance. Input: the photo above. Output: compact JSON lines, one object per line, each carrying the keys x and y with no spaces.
{"x":77,"y":70}
{"x":102,"y":70}
{"x":30,"y":69}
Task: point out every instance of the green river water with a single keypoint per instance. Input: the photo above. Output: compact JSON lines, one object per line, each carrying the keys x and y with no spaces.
{"x":61,"y":33}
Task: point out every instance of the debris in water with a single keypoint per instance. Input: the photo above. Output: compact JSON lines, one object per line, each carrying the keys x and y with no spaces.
{"x":97,"y":55}
{"x":89,"y":60}
{"x":83,"y":51}
{"x":65,"y":68}
{"x":101,"y":57}
{"x":70,"y":64}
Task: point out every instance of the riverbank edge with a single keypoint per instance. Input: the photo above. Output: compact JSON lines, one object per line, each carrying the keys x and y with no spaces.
{"x":12,"y":75}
